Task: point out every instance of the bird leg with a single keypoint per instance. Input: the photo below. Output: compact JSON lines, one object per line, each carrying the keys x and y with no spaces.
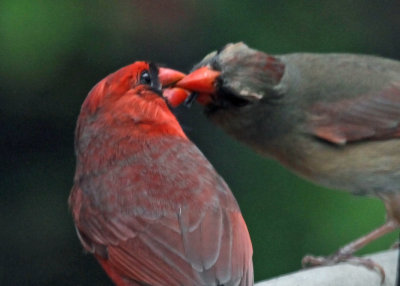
{"x":345,"y":254}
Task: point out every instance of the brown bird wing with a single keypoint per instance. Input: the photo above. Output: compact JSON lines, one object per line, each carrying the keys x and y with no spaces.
{"x":374,"y":116}
{"x":188,"y":232}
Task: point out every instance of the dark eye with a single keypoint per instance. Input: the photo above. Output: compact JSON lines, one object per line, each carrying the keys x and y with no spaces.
{"x":145,"y":78}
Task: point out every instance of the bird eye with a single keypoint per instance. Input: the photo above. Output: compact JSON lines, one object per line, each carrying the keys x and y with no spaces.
{"x":145,"y":78}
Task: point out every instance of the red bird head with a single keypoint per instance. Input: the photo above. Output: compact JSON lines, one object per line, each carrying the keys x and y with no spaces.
{"x":131,"y":96}
{"x":129,"y":91}
{"x":127,"y":103}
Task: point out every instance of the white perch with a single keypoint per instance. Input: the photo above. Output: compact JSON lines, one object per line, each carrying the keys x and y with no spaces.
{"x":343,"y":274}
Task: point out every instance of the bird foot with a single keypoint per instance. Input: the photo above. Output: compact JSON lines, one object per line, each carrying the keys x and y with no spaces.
{"x":313,"y":261}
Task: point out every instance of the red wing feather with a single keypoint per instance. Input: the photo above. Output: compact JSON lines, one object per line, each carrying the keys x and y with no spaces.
{"x":170,"y":250}
{"x":191,"y":232}
{"x":367,"y":117}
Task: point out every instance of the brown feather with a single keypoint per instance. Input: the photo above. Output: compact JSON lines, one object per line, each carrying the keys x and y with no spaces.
{"x":367,"y":117}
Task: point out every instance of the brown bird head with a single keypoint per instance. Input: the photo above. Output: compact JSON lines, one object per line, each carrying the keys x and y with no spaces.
{"x":232,"y":77}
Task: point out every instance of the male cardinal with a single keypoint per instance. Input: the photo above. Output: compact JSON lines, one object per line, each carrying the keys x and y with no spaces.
{"x":145,"y":201}
{"x":331,"y":118}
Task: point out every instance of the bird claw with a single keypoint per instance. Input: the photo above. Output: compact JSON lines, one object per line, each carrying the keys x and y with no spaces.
{"x":313,"y":261}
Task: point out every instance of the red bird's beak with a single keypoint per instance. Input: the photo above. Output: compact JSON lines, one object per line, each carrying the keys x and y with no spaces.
{"x":201,"y":81}
{"x":169,"y":76}
{"x":175,"y":95}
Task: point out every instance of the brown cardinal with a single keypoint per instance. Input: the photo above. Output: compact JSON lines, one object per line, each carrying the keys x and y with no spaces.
{"x":331,"y":118}
{"x":145,"y":201}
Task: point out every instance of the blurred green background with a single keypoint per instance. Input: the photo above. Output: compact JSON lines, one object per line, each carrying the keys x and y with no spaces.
{"x":53,"y":52}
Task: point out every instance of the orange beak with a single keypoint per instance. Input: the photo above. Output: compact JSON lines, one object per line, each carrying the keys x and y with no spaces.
{"x":169,"y":76}
{"x":175,"y":95}
{"x":202,"y":81}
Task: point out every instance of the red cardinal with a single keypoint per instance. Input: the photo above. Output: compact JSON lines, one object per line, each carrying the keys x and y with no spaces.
{"x":332,"y":118}
{"x":145,"y":200}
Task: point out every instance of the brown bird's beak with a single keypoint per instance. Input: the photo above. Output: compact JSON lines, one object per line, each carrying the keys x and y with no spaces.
{"x":201,"y":81}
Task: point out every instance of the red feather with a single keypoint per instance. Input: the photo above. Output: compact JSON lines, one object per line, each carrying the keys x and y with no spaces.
{"x":145,"y":200}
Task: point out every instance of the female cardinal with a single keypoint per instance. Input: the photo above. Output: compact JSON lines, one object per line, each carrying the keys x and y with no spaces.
{"x":334,"y":118}
{"x":145,"y":201}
